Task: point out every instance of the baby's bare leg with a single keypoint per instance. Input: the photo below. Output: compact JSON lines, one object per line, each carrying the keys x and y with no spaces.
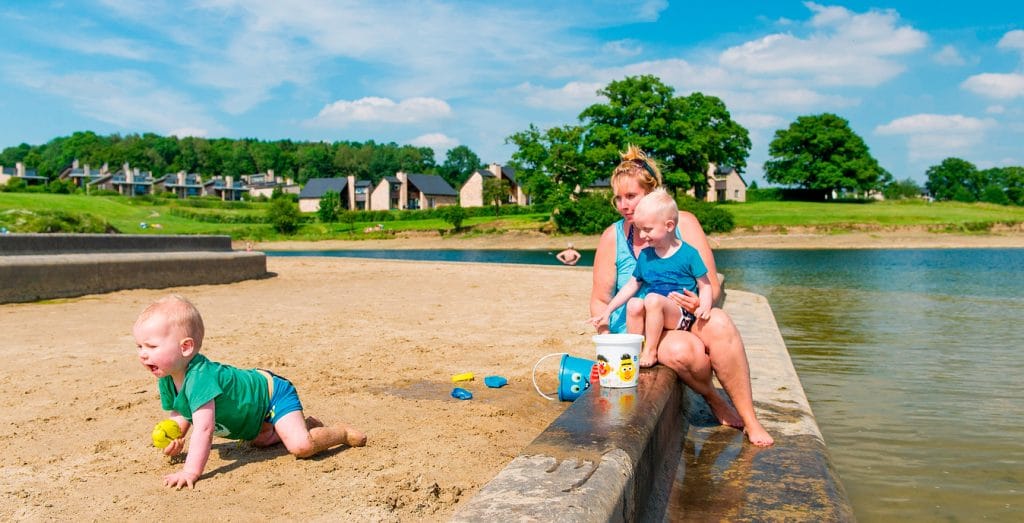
{"x":635,"y":316}
{"x":654,"y":324}
{"x":303,"y":443}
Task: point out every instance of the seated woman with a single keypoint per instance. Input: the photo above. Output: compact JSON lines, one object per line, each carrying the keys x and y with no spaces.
{"x":712,"y":345}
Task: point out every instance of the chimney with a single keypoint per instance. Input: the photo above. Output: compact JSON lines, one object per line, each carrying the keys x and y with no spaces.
{"x":495,"y":170}
{"x":20,"y":167}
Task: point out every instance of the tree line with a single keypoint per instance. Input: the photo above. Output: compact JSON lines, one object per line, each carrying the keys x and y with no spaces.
{"x":299,"y":161}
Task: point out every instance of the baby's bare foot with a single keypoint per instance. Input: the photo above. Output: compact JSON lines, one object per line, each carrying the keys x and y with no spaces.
{"x":312,"y":423}
{"x":353,"y":437}
{"x":724,"y":412}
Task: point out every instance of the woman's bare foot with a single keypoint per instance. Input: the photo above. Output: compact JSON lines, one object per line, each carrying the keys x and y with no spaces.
{"x":758,"y":436}
{"x":722,"y":410}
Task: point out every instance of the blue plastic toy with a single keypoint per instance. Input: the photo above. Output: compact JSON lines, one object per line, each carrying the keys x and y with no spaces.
{"x":461,"y":394}
{"x":495,"y":382}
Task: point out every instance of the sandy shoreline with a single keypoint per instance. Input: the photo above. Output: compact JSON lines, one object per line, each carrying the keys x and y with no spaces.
{"x":907,"y":237}
{"x":369,"y":341}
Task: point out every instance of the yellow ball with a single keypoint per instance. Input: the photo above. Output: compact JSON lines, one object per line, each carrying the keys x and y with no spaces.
{"x":165,"y":432}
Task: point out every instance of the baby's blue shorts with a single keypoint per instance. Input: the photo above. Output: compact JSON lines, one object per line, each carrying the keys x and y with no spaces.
{"x":284,"y":400}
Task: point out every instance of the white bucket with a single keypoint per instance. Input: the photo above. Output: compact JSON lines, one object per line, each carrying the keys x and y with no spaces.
{"x":618,"y":359}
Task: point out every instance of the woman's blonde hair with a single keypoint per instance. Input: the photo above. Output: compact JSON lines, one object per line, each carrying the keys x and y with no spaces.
{"x":636,"y":164}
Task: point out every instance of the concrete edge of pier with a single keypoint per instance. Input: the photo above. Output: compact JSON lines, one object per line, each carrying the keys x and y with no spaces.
{"x":655,"y":453}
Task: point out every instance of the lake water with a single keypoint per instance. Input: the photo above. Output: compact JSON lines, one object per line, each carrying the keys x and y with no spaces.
{"x":911,"y":360}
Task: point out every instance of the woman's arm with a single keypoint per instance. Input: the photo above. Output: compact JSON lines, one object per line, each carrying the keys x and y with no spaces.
{"x":693,"y":234}
{"x":604,"y":275}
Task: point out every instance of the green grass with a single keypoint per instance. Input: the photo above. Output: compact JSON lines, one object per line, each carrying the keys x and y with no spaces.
{"x":177,"y":217}
{"x":174,"y":217}
{"x":885,"y":213}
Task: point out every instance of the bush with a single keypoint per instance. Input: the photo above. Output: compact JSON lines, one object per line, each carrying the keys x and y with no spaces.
{"x":284,"y":215}
{"x":590,"y":214}
{"x":770,"y":194}
{"x":712,"y":217}
{"x":54,"y":221}
{"x":455,"y":215}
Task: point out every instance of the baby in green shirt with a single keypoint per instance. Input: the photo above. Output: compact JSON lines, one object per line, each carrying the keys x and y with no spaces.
{"x":216,"y":399}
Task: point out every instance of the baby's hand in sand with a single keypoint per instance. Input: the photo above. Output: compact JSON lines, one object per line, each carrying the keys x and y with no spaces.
{"x":180,"y":479}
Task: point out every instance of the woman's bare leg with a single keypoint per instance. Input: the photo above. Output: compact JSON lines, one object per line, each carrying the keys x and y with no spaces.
{"x":729,"y":362}
{"x":684,"y":353}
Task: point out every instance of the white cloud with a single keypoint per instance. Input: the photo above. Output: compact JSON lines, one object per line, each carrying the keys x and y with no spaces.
{"x":1013,"y":40}
{"x":844,"y":48}
{"x":948,"y":55}
{"x":374,"y":109}
{"x":571,"y":96}
{"x":760,"y":121}
{"x":996,"y":85}
{"x":116,"y":47}
{"x":439,"y":142}
{"x":622,"y":48}
{"x":995,"y":109}
{"x":127,"y":99}
{"x":188,"y":131}
{"x":936,"y":136}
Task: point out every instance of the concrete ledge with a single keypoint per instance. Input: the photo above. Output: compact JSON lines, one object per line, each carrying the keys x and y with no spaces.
{"x":601,"y":460}
{"x":655,"y":453}
{"x":34,"y":267}
{"x":29,"y":244}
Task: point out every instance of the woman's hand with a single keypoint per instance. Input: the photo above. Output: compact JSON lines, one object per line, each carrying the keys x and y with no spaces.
{"x":687,"y":300}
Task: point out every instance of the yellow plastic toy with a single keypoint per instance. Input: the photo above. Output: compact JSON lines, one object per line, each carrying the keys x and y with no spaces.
{"x":465,"y":376}
{"x":165,"y":432}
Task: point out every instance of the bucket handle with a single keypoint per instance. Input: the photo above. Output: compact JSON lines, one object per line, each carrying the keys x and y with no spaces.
{"x":534,"y":375}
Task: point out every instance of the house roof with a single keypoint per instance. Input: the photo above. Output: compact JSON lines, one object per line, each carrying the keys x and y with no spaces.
{"x":431,"y":184}
{"x":509,"y":173}
{"x":601,"y":183}
{"x":317,"y":187}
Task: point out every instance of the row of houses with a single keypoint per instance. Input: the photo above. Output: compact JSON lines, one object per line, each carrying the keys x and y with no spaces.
{"x":401,"y":191}
{"x":410,"y":191}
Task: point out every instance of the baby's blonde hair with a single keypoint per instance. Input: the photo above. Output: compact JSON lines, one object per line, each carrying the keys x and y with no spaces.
{"x":659,"y":203}
{"x":179,"y":312}
{"x":636,"y":164}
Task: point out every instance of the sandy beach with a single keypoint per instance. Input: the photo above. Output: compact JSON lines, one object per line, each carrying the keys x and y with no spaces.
{"x":374,"y":343}
{"x":371,"y":342}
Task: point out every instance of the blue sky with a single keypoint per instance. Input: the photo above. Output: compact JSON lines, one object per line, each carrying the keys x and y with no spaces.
{"x":918,"y":81}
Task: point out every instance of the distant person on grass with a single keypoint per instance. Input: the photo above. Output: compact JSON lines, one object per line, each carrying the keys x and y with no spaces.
{"x":665,"y":266}
{"x":214,"y":399}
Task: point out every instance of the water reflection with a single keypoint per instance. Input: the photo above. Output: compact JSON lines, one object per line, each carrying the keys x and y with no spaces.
{"x":911,"y":362}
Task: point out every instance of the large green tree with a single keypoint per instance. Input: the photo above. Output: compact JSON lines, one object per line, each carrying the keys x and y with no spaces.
{"x":955,"y":179}
{"x":459,"y":163}
{"x":550,"y":164}
{"x":683,"y":133}
{"x":822,"y":152}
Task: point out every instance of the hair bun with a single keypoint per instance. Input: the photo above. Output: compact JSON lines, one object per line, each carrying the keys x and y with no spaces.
{"x":633,"y":153}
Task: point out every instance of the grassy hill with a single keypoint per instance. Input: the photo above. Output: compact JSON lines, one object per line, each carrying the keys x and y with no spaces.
{"x":39,"y":212}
